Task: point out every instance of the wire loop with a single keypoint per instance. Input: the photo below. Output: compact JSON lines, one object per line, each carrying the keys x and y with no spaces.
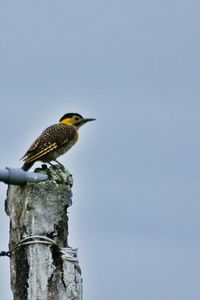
{"x":69,"y":254}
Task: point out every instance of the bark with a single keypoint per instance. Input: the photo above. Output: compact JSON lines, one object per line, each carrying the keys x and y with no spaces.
{"x":38,"y":271}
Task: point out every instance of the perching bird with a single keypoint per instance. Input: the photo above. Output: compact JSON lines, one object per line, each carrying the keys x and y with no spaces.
{"x":55,"y":140}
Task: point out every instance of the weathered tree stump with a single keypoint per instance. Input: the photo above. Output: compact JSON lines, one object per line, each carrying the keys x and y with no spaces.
{"x":38,"y":269}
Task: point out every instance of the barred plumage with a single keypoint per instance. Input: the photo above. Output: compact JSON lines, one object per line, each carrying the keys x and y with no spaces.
{"x":55,"y":140}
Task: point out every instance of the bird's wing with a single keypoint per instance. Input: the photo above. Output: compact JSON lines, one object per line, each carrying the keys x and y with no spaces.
{"x":50,"y":139}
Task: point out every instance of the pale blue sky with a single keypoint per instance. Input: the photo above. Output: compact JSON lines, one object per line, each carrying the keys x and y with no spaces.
{"x":135,"y":67}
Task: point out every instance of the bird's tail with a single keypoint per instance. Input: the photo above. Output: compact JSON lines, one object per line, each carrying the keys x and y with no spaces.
{"x":27,"y":166}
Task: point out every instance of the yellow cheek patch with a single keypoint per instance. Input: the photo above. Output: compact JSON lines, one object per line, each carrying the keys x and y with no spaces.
{"x":68,"y":121}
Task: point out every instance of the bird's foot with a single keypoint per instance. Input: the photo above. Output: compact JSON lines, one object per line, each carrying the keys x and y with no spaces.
{"x":52,"y":166}
{"x":44,"y":167}
{"x":60,"y":165}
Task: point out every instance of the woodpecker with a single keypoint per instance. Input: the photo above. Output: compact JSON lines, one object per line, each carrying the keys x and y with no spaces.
{"x":55,"y":140}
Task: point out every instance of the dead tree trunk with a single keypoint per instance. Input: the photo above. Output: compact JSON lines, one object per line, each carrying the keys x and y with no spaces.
{"x":42,"y":265}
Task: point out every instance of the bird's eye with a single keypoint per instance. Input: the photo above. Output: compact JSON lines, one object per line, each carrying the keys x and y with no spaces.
{"x":76,"y":118}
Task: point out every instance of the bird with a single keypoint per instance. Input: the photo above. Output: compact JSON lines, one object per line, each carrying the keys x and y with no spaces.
{"x":55,"y":140}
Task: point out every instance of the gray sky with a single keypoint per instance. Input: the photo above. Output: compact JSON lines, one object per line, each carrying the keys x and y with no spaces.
{"x":134,"y":66}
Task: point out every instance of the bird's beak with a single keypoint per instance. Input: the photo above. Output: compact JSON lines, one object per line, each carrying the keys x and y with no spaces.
{"x":88,"y":120}
{"x":83,"y":121}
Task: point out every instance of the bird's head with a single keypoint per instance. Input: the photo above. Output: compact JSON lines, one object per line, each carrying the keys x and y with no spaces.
{"x":74,"y":119}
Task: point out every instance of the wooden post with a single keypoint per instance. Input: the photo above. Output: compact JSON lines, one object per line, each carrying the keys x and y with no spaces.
{"x":42,"y":266}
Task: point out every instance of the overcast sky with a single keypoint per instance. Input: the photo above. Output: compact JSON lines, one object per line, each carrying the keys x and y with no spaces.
{"x":135,"y":67}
